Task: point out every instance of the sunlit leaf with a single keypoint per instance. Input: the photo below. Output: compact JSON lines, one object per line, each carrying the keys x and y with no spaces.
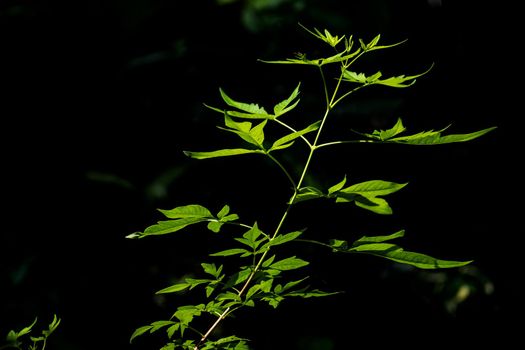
{"x":179,"y":287}
{"x":373,"y":188}
{"x":374,"y":204}
{"x":290,"y":263}
{"x":211,"y":269}
{"x":379,"y":239}
{"x":221,"y":153}
{"x":337,"y":187}
{"x":187,"y":211}
{"x":396,"y":253}
{"x":435,"y":138}
{"x":284,"y":106}
{"x":281,"y":239}
{"x":139,"y":331}
{"x":246,"y":107}
{"x":165,"y":227}
{"x":229,"y":252}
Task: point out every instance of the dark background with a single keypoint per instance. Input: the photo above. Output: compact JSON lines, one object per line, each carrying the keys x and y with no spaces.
{"x":100,"y":98}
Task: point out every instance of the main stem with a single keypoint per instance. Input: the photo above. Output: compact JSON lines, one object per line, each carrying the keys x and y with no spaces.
{"x":329,"y":105}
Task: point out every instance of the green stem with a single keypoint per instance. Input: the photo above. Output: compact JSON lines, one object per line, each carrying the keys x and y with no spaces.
{"x":292,"y":130}
{"x":343,"y":142}
{"x":284,"y":170}
{"x":313,"y":147}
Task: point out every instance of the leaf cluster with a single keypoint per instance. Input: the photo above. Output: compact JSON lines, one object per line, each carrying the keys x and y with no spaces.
{"x":23,"y":339}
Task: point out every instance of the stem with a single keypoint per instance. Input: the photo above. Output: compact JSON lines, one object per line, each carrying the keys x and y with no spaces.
{"x":284,"y":170}
{"x":329,"y":105}
{"x":344,"y":142}
{"x":292,"y":130}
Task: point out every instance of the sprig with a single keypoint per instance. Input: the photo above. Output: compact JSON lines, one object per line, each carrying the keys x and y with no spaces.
{"x":265,"y":274}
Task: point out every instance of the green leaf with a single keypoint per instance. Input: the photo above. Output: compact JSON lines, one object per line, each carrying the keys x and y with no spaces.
{"x":268,"y":261}
{"x":315,"y":293}
{"x":401,"y":81}
{"x":139,"y":331}
{"x":395,"y":130}
{"x":435,"y":138}
{"x":252,"y":234}
{"x":221,"y":153}
{"x":52,"y":326}
{"x":365,"y":194}
{"x":187,"y":211}
{"x":371,"y":44}
{"x":27,"y":329}
{"x":290,"y":137}
{"x":169,"y":346}
{"x":338,"y":245}
{"x":430,"y":137}
{"x":373,"y":188}
{"x":379,"y":239}
{"x":211,"y":269}
{"x":326,"y":37}
{"x":337,"y":187}
{"x":289,"y":285}
{"x":229,"y":339}
{"x":354,"y":77}
{"x":172,"y":329}
{"x":238,"y":277}
{"x":339,"y":57}
{"x":251,"y":108}
{"x":160,"y":324}
{"x":229,"y":252}
{"x":374,"y":204}
{"x":185,"y":314}
{"x":307,"y":193}
{"x":290,"y":263}
{"x":165,"y":227}
{"x":179,"y":287}
{"x":223,"y":212}
{"x":281,"y":239}
{"x":215,"y":226}
{"x":396,"y":253}
{"x":244,"y":130}
{"x":284,"y":106}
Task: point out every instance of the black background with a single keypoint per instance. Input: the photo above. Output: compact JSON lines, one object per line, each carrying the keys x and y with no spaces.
{"x":100,"y":98}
